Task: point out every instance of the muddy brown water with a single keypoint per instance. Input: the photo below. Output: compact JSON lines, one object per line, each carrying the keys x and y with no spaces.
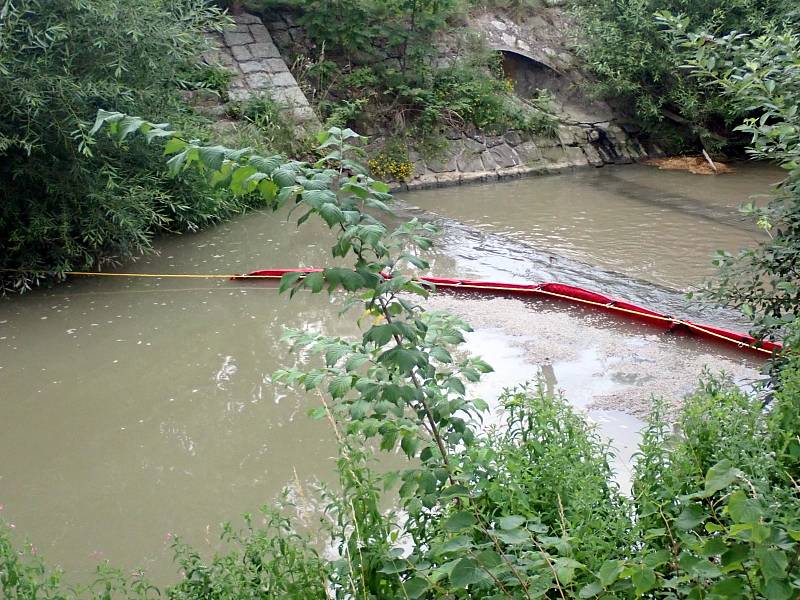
{"x":661,"y":227}
{"x":132,"y":409}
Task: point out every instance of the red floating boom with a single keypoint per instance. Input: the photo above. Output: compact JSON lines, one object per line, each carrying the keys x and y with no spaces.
{"x":575,"y":294}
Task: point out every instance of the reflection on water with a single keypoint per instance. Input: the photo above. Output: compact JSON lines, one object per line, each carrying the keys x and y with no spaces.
{"x":134,"y":408}
{"x":656,"y":226}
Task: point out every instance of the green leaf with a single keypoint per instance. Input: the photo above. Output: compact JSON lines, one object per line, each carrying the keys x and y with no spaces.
{"x":565,"y":569}
{"x":513,"y":536}
{"x":238,"y":178}
{"x":712,"y":547}
{"x":175,"y":164}
{"x":454,"y":491}
{"x":128,"y":125}
{"x":283,"y":177}
{"x":455,"y":544}
{"x":391,"y":567}
{"x":699,"y":567}
{"x":313,"y":379}
{"x":358,"y":409}
{"x":644,"y":580}
{"x":339,"y":386}
{"x":288,"y":279}
{"x":454,"y":384}
{"x":379,"y":335}
{"x":467,"y":572}
{"x":773,"y":563}
{"x":409,"y":444}
{"x":610,"y":572}
{"x":347,"y":278}
{"x":691,"y":516}
{"x":415,"y":587}
{"x":266,"y":164}
{"x":731,"y":587}
{"x":268,"y":190}
{"x":591,"y":590}
{"x":317,"y":413}
{"x":720,"y":476}
{"x":735,"y":555}
{"x":776,"y":589}
{"x":286,"y":194}
{"x":510,"y":522}
{"x":441,"y":355}
{"x":459,"y":521}
{"x":331,"y":214}
{"x":174,"y":145}
{"x":104,"y":117}
{"x":489,"y":559}
{"x":355,"y":361}
{"x":742,"y":509}
{"x":314,"y":282}
{"x":212,"y":156}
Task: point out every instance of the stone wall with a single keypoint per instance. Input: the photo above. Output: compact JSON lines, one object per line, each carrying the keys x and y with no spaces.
{"x":258,"y":68}
{"x":477,"y":157}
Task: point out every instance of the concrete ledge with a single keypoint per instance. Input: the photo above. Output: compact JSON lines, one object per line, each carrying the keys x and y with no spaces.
{"x":429,"y":181}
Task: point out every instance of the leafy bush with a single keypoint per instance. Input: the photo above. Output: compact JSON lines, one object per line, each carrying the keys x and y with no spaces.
{"x":759,"y":78}
{"x":205,"y":77}
{"x":466,"y":93}
{"x":70,"y":202}
{"x":389,"y":77}
{"x":266,"y":124}
{"x":635,"y":66}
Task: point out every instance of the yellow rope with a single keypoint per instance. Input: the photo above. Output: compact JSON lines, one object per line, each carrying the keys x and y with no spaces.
{"x":535,"y":290}
{"x":168,"y":275}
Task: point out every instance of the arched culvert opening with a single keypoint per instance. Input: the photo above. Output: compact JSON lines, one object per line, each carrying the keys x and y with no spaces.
{"x":530,"y":75}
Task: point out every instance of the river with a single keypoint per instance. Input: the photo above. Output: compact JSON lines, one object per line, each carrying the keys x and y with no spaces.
{"x":133,"y":409}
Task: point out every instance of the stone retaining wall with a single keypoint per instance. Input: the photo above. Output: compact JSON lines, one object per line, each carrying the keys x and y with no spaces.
{"x":249,"y":53}
{"x":476,"y":157}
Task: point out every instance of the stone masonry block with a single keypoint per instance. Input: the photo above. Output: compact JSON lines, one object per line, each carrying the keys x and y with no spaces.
{"x":304,"y":114}
{"x":292,"y":96}
{"x":505,"y":156}
{"x":237,"y":39}
{"x":260,"y":33}
{"x":284,"y":79}
{"x":252,"y":66}
{"x":275,"y":65}
{"x":246,"y":18}
{"x":241,"y":53}
{"x":529,"y":152}
{"x":277,"y":25}
{"x":470,"y":163}
{"x":239,"y":94}
{"x":258,"y":81}
{"x":240,"y":28}
{"x":264,"y":50}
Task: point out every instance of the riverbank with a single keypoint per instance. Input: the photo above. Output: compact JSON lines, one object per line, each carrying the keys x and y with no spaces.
{"x":474,"y":158}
